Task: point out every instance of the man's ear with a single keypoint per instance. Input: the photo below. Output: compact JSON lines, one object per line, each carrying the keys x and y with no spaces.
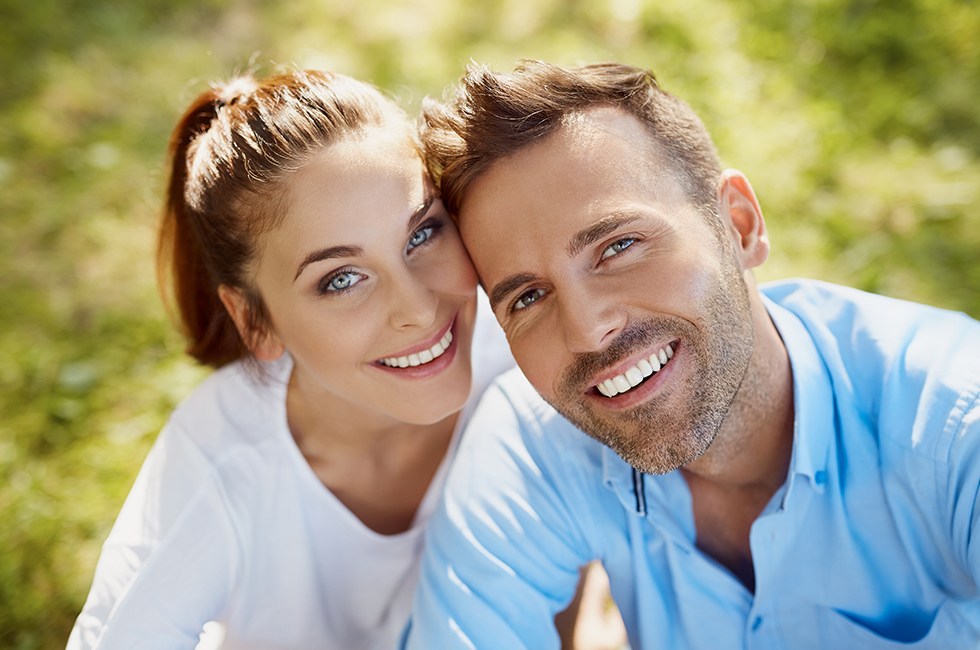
{"x":264,"y":344}
{"x":739,"y":207}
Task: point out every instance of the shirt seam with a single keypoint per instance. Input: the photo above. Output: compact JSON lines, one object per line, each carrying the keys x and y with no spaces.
{"x":952,"y":430}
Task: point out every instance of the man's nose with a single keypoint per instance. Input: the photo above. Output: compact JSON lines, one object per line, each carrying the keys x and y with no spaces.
{"x":589,"y":320}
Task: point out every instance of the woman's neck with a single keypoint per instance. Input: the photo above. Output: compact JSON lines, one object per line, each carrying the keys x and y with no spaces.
{"x":379,"y":467}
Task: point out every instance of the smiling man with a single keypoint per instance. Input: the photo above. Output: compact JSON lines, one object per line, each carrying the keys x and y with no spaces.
{"x":791,"y":467}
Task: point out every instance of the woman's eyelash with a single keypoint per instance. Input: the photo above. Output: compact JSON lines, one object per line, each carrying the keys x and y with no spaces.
{"x":424,"y":233}
{"x":345,"y":280}
{"x":341,"y":281}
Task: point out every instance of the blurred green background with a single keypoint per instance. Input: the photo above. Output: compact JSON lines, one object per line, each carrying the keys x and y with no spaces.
{"x":857,"y":120}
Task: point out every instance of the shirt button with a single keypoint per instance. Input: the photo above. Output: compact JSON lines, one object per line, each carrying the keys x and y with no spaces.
{"x":756,"y":623}
{"x":820,"y":477}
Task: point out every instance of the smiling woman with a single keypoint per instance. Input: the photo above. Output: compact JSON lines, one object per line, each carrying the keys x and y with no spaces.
{"x":314,"y":267}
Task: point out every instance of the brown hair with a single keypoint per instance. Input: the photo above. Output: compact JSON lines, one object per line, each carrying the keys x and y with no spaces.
{"x":230,"y":153}
{"x":493,"y":115}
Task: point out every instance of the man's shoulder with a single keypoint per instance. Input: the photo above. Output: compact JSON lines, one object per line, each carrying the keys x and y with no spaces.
{"x":525,"y":402}
{"x":865,"y":326}
{"x":513,"y":414}
{"x":831,"y":303}
{"x":908,"y":367}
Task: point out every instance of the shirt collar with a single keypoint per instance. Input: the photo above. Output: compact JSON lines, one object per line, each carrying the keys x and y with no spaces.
{"x":813,"y":398}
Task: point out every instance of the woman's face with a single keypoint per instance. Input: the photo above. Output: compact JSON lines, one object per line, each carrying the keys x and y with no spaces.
{"x":367,"y":283}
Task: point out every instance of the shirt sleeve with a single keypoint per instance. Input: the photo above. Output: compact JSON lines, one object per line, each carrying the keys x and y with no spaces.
{"x":503,"y":551}
{"x":168,"y":564}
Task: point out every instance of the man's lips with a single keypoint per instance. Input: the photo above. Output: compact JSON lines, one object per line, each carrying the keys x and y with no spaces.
{"x":635,"y":373}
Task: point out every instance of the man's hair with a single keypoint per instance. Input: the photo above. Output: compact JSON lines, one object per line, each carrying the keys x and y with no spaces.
{"x":494,"y":115}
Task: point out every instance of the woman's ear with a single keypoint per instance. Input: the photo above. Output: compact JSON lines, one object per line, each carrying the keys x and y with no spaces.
{"x":740,"y":208}
{"x":264,"y":345}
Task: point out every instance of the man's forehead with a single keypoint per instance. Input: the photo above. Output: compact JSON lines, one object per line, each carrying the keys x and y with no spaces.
{"x":603,"y":146}
{"x":578,"y":136}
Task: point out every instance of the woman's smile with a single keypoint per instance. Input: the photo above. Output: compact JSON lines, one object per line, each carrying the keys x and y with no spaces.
{"x":427,"y":358}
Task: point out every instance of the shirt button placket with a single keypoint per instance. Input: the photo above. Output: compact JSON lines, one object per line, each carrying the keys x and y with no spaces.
{"x":755,"y":636}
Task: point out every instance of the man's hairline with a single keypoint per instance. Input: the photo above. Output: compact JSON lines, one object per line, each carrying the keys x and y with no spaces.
{"x":658,"y":152}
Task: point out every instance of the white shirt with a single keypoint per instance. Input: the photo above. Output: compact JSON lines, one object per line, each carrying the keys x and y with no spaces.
{"x":228,"y":529}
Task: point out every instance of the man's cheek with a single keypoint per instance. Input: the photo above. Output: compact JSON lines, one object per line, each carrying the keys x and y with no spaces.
{"x":536,"y":368}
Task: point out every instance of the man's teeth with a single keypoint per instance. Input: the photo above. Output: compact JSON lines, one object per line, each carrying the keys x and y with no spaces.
{"x":423,"y":357}
{"x":635,"y":375}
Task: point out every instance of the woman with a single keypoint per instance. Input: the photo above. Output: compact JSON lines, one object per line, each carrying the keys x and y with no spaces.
{"x":312,"y":264}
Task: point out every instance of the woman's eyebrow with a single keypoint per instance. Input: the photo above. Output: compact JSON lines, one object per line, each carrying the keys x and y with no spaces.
{"x":328,"y":253}
{"x":420,"y":212}
{"x":332,"y":252}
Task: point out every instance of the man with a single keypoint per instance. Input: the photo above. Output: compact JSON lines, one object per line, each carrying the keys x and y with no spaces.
{"x":796,"y":467}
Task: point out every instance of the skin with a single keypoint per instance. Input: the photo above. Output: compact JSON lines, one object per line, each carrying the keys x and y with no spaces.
{"x":594,"y":257}
{"x":366,"y":265}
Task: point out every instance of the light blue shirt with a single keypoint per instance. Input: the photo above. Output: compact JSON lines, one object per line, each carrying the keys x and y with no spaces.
{"x":872,"y":542}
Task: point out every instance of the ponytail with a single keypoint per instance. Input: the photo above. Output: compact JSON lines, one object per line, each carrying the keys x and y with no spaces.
{"x":211,"y":335}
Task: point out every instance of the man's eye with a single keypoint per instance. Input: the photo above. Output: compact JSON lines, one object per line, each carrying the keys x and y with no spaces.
{"x":617,"y":247}
{"x":340,"y":282}
{"x":528,"y":298}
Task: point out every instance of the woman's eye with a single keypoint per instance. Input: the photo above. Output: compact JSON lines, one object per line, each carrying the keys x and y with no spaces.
{"x":528,"y":298}
{"x":421,"y":236}
{"x":340,"y":282}
{"x":617,"y":247}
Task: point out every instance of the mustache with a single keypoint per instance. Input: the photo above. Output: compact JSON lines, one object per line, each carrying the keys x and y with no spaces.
{"x":587,"y":364}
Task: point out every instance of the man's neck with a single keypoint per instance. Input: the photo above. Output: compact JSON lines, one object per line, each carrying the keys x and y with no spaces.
{"x":754,"y":444}
{"x":732,"y":482}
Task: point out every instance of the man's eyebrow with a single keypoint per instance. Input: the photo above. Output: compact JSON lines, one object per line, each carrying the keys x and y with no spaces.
{"x":506,"y":286}
{"x":326,"y":254}
{"x":597,"y":231}
{"x":353,"y":251}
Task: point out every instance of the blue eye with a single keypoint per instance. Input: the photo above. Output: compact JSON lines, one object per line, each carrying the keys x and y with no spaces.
{"x":421,"y":236}
{"x":528,"y":298}
{"x":617,"y":247}
{"x":340,"y":282}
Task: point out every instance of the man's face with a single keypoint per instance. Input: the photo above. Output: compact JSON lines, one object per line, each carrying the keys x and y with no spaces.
{"x":599,"y":267}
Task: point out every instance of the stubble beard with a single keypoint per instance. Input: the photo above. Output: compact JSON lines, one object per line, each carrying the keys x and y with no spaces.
{"x":678,"y":424}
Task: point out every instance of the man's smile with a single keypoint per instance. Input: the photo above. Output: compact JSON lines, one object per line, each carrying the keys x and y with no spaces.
{"x":636,"y":374}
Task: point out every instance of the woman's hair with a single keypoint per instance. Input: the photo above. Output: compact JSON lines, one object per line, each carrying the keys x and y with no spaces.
{"x":493,"y":115}
{"x":230,"y":153}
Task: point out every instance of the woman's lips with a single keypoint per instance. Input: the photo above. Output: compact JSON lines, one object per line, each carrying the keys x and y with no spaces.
{"x":426,"y":359}
{"x":421,"y":357}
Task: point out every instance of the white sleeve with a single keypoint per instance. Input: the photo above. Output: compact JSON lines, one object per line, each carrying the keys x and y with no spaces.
{"x":169,"y":563}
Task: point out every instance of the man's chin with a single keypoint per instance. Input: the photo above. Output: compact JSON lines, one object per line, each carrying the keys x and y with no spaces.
{"x":652,"y":445}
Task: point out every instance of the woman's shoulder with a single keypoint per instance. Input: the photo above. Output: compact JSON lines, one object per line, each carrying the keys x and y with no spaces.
{"x":241,"y":405}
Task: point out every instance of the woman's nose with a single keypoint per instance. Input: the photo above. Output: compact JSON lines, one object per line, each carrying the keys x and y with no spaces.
{"x":413,"y":304}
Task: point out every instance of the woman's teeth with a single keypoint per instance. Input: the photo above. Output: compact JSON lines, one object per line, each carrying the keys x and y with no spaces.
{"x":423,"y":357}
{"x":635,"y":375}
